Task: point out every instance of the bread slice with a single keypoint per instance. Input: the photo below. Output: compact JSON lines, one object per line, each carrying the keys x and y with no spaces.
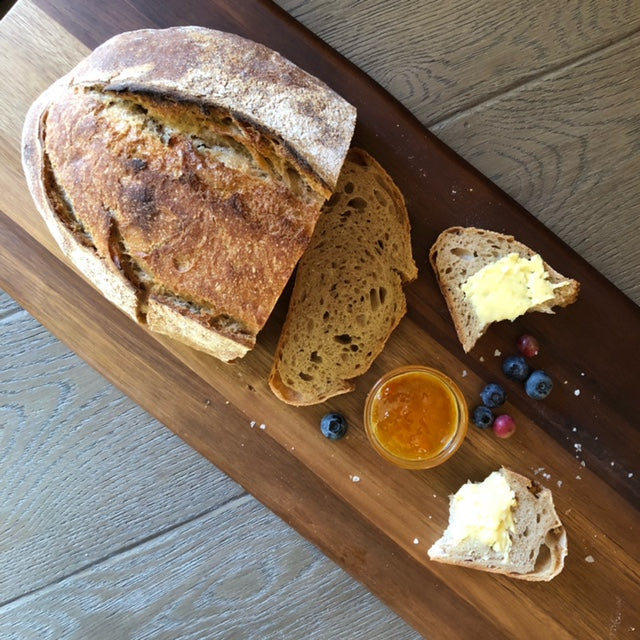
{"x":182,"y":171}
{"x":538,"y":540}
{"x":348,"y":294}
{"x":460,"y":252}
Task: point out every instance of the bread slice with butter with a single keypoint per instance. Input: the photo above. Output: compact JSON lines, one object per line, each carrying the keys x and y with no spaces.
{"x":505,"y":524}
{"x":348,"y":294}
{"x":487,"y":277}
{"x":182,"y":171}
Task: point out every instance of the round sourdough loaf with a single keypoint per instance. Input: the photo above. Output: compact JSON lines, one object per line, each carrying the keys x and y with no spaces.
{"x":183,"y":171}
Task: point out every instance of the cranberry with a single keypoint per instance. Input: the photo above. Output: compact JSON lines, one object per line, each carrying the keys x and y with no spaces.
{"x":528,"y":346}
{"x":504,"y":426}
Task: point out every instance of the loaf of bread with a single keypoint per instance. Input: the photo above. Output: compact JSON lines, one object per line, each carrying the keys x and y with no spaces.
{"x":348,"y":295}
{"x":537,"y":541}
{"x":460,"y":252}
{"x":182,"y":171}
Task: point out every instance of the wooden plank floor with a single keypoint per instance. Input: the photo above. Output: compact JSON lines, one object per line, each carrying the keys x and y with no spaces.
{"x":111,"y":527}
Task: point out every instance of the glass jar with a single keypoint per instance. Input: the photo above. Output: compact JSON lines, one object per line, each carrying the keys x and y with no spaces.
{"x":416,"y":417}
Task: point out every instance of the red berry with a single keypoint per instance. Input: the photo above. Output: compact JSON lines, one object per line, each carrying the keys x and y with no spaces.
{"x":504,"y":426}
{"x":528,"y":346}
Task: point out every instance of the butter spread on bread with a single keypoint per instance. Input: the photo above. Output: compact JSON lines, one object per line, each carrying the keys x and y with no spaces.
{"x":183,"y":171}
{"x":504,"y":524}
{"x":508,"y":287}
{"x":348,"y":294}
{"x":483,"y":512}
{"x":487,"y":276}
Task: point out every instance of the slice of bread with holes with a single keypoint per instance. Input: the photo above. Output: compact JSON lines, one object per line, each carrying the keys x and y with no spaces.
{"x":505,"y":524}
{"x":487,"y":276}
{"x":348,"y":295}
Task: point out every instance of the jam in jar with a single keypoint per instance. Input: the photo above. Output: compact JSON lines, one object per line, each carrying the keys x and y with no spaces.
{"x":416,"y":417}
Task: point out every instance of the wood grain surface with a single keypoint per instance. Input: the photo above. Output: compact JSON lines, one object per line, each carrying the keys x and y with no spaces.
{"x":113,"y":527}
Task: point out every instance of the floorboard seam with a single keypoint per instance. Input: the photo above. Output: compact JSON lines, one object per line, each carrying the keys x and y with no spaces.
{"x":14,"y":310}
{"x":236,"y":501}
{"x":487,"y":99}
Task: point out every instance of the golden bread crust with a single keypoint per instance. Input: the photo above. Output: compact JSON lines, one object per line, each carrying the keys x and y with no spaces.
{"x":186,"y":215}
{"x":225,"y":70}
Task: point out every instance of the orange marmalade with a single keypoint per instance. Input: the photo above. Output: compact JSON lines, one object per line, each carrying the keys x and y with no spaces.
{"x":416,"y":417}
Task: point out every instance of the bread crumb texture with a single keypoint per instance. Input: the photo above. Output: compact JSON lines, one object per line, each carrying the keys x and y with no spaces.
{"x":459,"y":253}
{"x":348,"y":295}
{"x":538,"y":539}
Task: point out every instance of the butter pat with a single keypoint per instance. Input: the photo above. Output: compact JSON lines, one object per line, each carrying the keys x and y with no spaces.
{"x":483,"y":512}
{"x":508,"y":287}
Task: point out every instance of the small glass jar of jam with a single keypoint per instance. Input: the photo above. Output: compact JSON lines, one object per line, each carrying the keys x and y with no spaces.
{"x":416,"y":417}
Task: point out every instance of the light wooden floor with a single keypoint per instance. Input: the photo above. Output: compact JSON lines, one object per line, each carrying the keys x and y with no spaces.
{"x":111,"y":527}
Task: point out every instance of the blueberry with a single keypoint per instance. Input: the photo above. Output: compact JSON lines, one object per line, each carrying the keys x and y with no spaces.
{"x":333,"y":426}
{"x":493,"y":395}
{"x":538,"y":385}
{"x":515,"y":368}
{"x":482,"y":417}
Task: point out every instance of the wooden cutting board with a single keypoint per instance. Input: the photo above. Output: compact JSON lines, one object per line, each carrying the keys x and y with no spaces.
{"x":375,"y":520}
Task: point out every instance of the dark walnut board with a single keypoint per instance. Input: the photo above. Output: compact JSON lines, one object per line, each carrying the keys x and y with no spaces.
{"x":374,"y":520}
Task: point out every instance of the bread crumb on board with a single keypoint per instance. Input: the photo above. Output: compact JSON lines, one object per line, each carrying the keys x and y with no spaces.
{"x":541,"y":471}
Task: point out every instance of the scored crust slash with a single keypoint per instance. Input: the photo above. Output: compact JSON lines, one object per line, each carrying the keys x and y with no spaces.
{"x":183,"y":171}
